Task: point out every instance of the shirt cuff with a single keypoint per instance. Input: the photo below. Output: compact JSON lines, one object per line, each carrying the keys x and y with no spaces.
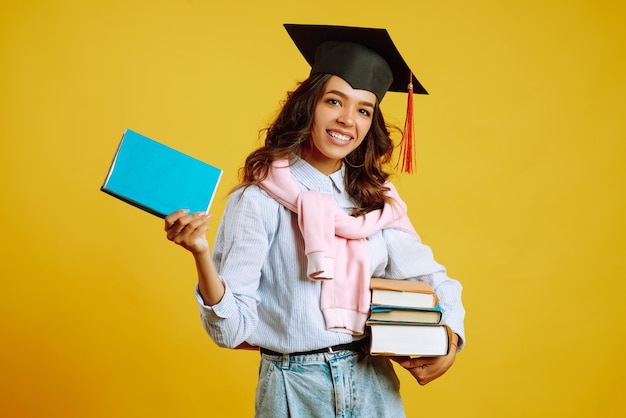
{"x":222,"y":310}
{"x":458,"y":330}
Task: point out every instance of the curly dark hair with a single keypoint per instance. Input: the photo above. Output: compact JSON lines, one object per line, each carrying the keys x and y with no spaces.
{"x":289,"y":133}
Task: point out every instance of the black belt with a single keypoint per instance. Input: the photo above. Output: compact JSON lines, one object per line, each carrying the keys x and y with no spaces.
{"x":353,"y":346}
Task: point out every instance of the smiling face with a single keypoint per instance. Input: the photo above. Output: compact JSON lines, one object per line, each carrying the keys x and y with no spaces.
{"x":342,"y":118}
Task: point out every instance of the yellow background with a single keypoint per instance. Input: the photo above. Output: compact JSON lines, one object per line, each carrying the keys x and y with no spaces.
{"x":519,"y":191}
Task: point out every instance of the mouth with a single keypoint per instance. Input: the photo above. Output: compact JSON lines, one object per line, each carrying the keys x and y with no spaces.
{"x":339,"y":136}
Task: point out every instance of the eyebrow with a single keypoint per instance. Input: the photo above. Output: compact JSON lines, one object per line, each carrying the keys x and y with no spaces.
{"x":345,"y":96}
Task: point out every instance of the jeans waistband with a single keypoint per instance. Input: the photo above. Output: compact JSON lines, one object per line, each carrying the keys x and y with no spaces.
{"x":353,"y":346}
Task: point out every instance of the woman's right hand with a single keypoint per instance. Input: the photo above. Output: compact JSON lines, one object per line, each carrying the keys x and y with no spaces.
{"x":188,"y":230}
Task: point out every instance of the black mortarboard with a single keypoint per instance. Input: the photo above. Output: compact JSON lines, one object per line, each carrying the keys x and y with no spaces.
{"x":367,"y":59}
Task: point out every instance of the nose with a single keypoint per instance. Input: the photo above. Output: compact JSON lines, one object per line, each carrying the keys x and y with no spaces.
{"x":346,"y":116}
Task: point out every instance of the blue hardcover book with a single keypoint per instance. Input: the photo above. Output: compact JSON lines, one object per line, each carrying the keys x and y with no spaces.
{"x":159,"y":179}
{"x":404,"y":315}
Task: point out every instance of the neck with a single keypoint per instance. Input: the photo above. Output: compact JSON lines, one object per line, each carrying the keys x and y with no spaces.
{"x":324,"y":165}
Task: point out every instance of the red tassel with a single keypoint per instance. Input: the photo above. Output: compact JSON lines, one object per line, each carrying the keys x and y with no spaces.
{"x":406,"y":144}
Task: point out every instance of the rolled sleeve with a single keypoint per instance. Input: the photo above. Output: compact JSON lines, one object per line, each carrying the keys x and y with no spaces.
{"x":224,"y":309}
{"x":449,"y":292}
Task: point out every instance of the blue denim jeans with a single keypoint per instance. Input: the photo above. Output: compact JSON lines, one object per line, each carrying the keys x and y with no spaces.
{"x":342,"y":384}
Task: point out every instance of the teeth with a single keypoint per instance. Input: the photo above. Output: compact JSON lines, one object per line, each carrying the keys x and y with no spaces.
{"x":339,"y":136}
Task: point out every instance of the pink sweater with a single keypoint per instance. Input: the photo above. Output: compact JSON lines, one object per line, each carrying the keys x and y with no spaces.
{"x":335,"y":245}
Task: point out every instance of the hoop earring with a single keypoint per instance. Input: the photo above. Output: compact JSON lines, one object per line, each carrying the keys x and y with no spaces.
{"x":345,"y":159}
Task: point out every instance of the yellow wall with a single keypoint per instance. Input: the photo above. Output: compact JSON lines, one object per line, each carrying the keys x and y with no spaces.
{"x":519,"y":190}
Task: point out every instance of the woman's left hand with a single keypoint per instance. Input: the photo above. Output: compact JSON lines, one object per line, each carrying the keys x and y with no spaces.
{"x":427,"y":369}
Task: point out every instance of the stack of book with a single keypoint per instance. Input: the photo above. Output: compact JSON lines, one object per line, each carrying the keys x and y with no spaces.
{"x":405,"y":319}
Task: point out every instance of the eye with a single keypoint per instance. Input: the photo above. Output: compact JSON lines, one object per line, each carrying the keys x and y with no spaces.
{"x":333,"y":102}
{"x":365,"y":112}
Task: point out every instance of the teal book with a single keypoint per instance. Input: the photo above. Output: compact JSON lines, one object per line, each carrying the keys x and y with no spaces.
{"x":159,"y":179}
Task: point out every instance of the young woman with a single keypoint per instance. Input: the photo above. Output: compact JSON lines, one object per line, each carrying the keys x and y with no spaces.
{"x":312,"y":220}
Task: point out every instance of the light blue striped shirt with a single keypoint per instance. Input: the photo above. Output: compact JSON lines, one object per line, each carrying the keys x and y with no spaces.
{"x":270,"y":302}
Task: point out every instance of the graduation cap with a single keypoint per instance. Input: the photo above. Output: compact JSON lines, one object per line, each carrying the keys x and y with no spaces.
{"x":367,"y":59}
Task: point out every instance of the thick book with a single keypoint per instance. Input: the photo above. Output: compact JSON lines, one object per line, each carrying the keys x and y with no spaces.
{"x":399,"y":315}
{"x":159,"y":179}
{"x":402,"y":293}
{"x":410,"y":340}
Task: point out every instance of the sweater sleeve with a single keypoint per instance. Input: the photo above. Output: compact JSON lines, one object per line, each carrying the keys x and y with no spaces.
{"x":315,"y":219}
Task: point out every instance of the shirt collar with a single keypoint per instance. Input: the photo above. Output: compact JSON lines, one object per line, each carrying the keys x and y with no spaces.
{"x":312,"y":179}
